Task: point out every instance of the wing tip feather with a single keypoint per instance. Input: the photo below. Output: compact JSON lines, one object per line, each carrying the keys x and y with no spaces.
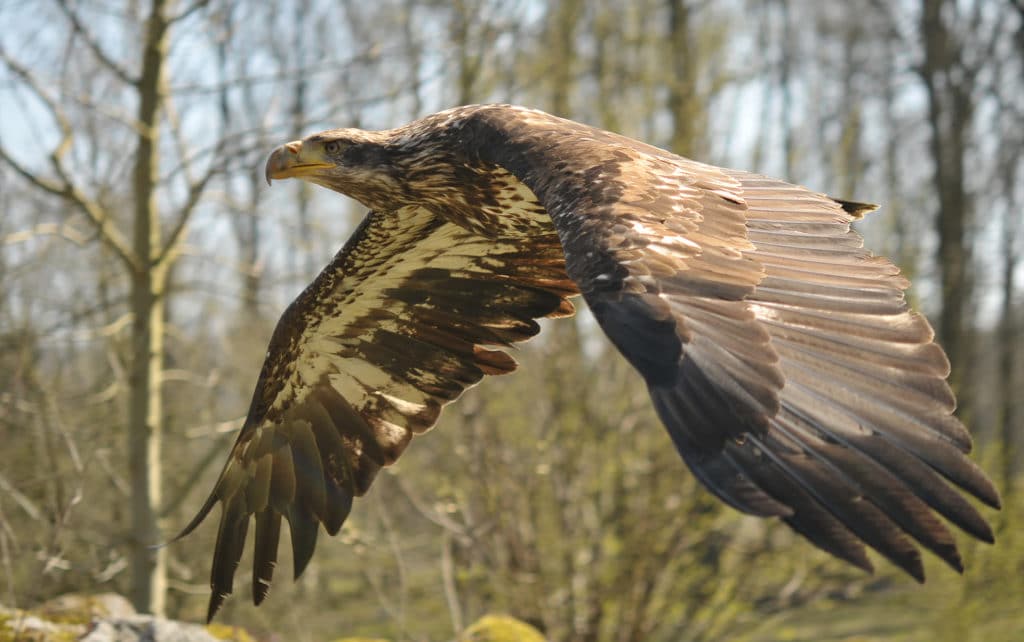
{"x":216,"y":601}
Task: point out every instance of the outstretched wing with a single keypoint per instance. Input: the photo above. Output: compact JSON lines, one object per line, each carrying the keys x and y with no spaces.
{"x":394,"y":328}
{"x":780,"y":355}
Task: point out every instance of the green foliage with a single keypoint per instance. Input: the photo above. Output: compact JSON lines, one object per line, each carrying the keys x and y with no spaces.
{"x":982,"y":605}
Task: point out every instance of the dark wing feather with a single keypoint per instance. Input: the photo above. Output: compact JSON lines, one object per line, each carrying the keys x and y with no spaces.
{"x":397,"y":326}
{"x":780,"y":354}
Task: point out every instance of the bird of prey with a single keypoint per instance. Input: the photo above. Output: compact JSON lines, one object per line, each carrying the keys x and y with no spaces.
{"x":779,"y":353}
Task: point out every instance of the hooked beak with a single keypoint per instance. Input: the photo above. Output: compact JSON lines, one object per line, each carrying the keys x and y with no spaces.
{"x":290,"y":161}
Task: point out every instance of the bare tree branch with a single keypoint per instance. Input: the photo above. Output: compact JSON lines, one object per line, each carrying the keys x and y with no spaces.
{"x":195,"y":476}
{"x":451,"y":593}
{"x":195,"y":193}
{"x":66,"y":189}
{"x":20,"y":499}
{"x":195,"y":6}
{"x":94,"y":46}
{"x":96,"y":214}
{"x":196,"y":188}
{"x":64,"y":230}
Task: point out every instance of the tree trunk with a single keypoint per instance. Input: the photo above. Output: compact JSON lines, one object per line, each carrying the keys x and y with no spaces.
{"x":683,"y":101}
{"x":468,"y":67}
{"x":949,"y":106}
{"x":145,"y":414}
{"x":1009,"y":347}
{"x":563,"y":22}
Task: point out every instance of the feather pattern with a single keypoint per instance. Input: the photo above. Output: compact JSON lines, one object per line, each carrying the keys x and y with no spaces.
{"x":780,"y":355}
{"x":399,"y":324}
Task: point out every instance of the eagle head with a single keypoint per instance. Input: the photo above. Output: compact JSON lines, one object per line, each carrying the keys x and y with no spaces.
{"x":357,"y":163}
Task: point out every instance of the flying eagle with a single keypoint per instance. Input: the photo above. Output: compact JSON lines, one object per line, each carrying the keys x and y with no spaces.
{"x":780,"y":355}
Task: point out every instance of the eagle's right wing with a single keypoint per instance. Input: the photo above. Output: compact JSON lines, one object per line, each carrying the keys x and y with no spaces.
{"x":398,"y":325}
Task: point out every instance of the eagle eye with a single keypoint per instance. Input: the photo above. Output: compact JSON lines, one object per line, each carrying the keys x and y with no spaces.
{"x":332,"y":147}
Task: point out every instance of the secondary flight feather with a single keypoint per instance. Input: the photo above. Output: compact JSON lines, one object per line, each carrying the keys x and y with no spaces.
{"x":779,"y":353}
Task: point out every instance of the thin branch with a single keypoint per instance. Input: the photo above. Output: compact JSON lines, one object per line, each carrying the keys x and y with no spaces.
{"x":451,"y":593}
{"x":84,"y":100}
{"x":21,"y":499}
{"x":196,"y":6}
{"x":108,"y":111}
{"x":403,"y":573}
{"x":106,"y":330}
{"x":195,"y":193}
{"x":371,"y":54}
{"x":66,"y":188}
{"x":37,"y":181}
{"x":8,"y":567}
{"x":94,"y":46}
{"x":893,"y":28}
{"x":235,"y":144}
{"x":96,"y":214}
{"x":100,"y":219}
{"x":197,"y":474}
{"x":63,"y":230}
{"x":25,"y":75}
{"x":449,"y":525}
{"x":195,"y":188}
{"x":179,"y":139}
{"x":113,"y":473}
{"x":215,"y":428}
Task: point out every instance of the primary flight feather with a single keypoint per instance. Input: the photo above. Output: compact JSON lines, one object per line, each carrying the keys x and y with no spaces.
{"x":780,"y":355}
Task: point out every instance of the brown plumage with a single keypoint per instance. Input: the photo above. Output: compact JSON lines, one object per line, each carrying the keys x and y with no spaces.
{"x":780,"y":355}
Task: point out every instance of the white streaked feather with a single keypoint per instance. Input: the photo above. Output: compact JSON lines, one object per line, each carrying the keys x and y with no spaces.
{"x":402,"y":405}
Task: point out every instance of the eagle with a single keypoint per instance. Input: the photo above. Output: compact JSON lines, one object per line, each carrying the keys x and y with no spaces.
{"x":780,"y":355}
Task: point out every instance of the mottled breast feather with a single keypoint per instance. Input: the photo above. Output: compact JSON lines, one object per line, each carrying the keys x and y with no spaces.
{"x":779,"y":353}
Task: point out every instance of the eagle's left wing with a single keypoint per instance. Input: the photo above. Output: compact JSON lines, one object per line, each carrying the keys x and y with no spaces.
{"x":394,"y":328}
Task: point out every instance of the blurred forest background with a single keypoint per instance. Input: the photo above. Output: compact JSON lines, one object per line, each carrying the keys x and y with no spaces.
{"x":144,"y":263}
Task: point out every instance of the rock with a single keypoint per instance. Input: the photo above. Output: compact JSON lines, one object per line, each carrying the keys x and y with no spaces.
{"x":106,"y":617}
{"x":146,"y":628}
{"x":84,"y":608}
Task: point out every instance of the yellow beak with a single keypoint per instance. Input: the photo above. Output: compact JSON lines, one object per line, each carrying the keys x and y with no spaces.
{"x":290,"y":161}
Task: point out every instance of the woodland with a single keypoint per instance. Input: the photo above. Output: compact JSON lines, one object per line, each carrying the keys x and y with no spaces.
{"x":144,"y":263}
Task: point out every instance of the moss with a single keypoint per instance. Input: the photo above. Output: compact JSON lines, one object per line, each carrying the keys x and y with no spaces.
{"x":500,"y":628}
{"x":81,"y":609}
{"x":68,"y":617}
{"x":25,"y":626}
